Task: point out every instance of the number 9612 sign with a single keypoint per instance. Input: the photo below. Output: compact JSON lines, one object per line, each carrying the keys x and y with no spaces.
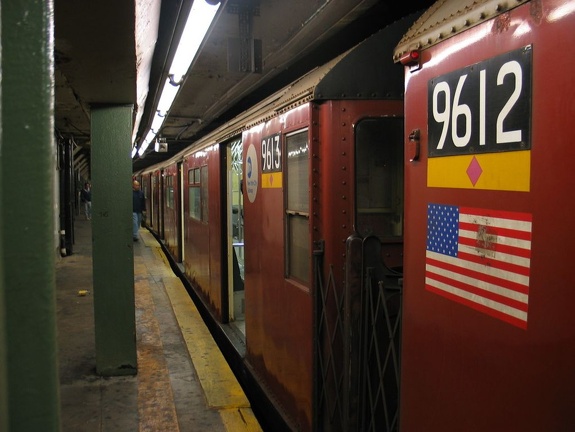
{"x":482,"y":108}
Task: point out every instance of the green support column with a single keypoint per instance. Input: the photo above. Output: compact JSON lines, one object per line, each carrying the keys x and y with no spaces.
{"x":3,"y":353}
{"x":27,"y":229}
{"x":112,"y":251}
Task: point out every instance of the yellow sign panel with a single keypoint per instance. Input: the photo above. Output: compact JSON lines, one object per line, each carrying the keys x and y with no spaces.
{"x":272,"y":180}
{"x":506,"y":171}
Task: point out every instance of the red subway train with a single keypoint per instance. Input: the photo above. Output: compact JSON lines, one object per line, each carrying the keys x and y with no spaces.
{"x":386,"y":242}
{"x":488,"y":331}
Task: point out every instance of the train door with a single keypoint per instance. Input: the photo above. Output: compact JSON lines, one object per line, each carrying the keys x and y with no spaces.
{"x":180,"y":213}
{"x":153,"y":200}
{"x":379,"y":223}
{"x":162,"y":195}
{"x":235,"y":235}
{"x":379,"y":184}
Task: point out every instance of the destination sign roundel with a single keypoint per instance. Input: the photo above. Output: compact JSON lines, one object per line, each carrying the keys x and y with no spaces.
{"x":252,"y":173}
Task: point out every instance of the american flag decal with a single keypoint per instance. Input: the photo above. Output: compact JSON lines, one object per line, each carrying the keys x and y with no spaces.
{"x":480,"y":258}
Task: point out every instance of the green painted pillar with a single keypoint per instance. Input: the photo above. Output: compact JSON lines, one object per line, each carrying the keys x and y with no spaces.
{"x":27,"y":229}
{"x":112,"y":250}
{"x":3,"y":352}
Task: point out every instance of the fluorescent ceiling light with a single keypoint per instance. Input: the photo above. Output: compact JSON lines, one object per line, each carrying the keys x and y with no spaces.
{"x":169,"y":93}
{"x":157,"y":123}
{"x":197,"y":25}
{"x":199,"y":21}
{"x":149,"y":138}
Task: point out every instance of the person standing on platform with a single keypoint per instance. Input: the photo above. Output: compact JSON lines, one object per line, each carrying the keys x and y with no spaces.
{"x":86,"y":198}
{"x":139,"y":207}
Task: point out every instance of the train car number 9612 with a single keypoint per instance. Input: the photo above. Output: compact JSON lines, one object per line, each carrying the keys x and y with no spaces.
{"x":482,"y":108}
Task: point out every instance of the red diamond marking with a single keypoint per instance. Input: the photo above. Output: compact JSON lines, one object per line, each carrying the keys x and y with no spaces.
{"x":474,"y":171}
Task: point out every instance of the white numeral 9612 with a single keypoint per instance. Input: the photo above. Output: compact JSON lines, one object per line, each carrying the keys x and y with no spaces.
{"x":452,"y":112}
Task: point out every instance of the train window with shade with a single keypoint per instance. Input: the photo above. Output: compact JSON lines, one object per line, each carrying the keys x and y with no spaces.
{"x":194,"y":202}
{"x":379,"y":177}
{"x":297,"y":206}
{"x":170,"y":191}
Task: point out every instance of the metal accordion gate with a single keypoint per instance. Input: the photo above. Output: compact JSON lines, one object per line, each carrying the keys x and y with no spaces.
{"x":357,"y":342}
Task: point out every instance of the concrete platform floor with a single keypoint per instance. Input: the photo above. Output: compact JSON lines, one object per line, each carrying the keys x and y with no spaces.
{"x":169,"y":393}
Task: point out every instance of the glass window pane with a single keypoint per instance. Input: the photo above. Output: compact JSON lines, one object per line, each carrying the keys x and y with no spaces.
{"x":297,"y":150}
{"x":236,"y":196}
{"x":194,"y":202}
{"x":205,"y":197}
{"x":297,"y":202}
{"x":299,"y":256}
{"x":379,"y":177}
{"x":171,"y":197}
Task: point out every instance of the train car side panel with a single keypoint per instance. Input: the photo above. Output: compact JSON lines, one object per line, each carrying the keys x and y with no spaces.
{"x":496,"y":354}
{"x":197,"y":252}
{"x":358,"y":189}
{"x":278,"y":308}
{"x":337,"y":217}
{"x":153,"y":200}
{"x":202,"y":220}
{"x":157,"y":203}
{"x":211,"y":193}
{"x":171,"y":209}
{"x":145,"y":181}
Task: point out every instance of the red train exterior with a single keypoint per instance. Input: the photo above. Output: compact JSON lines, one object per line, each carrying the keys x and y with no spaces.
{"x":203,"y":235}
{"x":267,"y":214}
{"x":488,"y":330}
{"x":171,"y":210}
{"x":281,"y":329}
{"x":389,"y":276}
{"x":279,"y":322}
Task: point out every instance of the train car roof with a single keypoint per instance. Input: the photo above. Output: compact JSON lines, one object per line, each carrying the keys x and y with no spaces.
{"x":446,"y":18}
{"x":365,"y":71}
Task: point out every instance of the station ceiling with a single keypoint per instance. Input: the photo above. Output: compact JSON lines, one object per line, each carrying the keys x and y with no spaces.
{"x":110,"y":52}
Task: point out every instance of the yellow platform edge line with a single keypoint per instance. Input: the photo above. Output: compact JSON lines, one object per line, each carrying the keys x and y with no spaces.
{"x":221,"y":388}
{"x":240,"y":419}
{"x":219,"y":383}
{"x":148,"y":239}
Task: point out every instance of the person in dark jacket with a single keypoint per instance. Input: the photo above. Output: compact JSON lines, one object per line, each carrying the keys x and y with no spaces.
{"x":139,"y":207}
{"x":86,"y":197}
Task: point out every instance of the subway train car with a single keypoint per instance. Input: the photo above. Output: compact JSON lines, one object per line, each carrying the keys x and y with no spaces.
{"x":287,"y":222}
{"x":488,"y":338}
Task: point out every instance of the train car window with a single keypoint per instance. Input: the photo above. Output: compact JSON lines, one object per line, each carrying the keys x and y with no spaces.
{"x":195,"y":209}
{"x":236,"y":196}
{"x":170,"y":191}
{"x":379,"y":177}
{"x":204,"y":193}
{"x":297,"y":206}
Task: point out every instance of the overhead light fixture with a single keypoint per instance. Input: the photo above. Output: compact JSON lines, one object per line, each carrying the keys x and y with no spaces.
{"x":197,"y":25}
{"x":169,"y":93}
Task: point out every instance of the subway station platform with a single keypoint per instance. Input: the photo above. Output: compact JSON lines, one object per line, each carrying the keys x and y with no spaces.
{"x":183,"y":382}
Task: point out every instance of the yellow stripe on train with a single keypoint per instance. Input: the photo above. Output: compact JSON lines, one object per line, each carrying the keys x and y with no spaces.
{"x":506,"y":171}
{"x":272,"y":180}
